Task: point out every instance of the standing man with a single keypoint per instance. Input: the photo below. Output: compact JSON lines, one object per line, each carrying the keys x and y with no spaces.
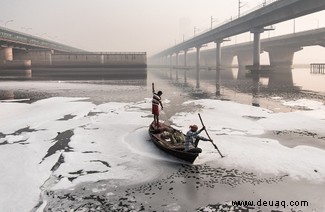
{"x":156,"y":101}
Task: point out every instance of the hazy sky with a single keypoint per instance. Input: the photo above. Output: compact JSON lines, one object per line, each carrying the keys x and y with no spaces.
{"x":130,"y":25}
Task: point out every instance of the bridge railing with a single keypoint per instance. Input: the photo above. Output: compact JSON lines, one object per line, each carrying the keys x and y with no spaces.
{"x":108,"y":53}
{"x":256,"y":8}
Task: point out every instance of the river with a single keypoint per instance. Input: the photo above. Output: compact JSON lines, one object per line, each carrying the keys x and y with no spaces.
{"x":77,"y":167}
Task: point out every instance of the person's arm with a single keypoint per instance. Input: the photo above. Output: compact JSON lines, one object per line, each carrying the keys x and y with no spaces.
{"x":162,"y":107}
{"x":202,"y":138}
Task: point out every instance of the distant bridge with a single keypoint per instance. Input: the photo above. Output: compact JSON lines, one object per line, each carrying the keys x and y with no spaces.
{"x":254,"y":22}
{"x":19,"y":40}
{"x":22,"y":51}
{"x":281,"y":49}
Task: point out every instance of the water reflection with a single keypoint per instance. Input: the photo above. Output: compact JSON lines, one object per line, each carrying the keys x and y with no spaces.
{"x":16,"y":74}
{"x":49,"y":73}
{"x":241,"y":72}
{"x":256,"y":90}
{"x":41,"y":83}
{"x":279,"y":81}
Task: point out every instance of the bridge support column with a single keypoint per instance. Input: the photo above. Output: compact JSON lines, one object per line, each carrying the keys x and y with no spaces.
{"x":244,"y":59}
{"x":257,"y":47}
{"x":6,"y":54}
{"x":185,"y":65}
{"x":176,"y":64}
{"x":225,"y":69}
{"x":282,"y":56}
{"x":227,"y":59}
{"x":17,"y":66}
{"x":198,"y":66}
{"x":38,"y":57}
{"x":281,"y":79}
{"x":218,"y":66}
{"x":170,"y":66}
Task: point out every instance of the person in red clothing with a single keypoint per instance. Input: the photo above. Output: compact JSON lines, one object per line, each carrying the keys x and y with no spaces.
{"x":156,"y":101}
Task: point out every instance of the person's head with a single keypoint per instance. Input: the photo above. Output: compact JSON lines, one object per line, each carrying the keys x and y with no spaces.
{"x":193,"y":128}
{"x":160,"y":93}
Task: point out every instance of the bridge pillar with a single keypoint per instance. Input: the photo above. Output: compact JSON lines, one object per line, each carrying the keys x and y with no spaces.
{"x":198,"y":66}
{"x":176,"y":64}
{"x":185,"y":65}
{"x":282,"y":55}
{"x":227,"y":58}
{"x":9,"y":60}
{"x":218,"y":65}
{"x":244,"y":59}
{"x":281,"y":79}
{"x":170,"y":65}
{"x":257,"y":47}
{"x":163,"y":60}
{"x":6,"y":54}
{"x":38,"y":57}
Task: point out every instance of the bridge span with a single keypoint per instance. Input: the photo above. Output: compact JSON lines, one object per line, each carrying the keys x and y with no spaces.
{"x":281,"y":50}
{"x":19,"y":50}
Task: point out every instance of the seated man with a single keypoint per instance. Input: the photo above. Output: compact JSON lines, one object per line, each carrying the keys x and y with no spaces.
{"x":192,"y":134}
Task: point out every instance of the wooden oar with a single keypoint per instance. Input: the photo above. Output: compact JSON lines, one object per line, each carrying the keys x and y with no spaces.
{"x":215,"y":146}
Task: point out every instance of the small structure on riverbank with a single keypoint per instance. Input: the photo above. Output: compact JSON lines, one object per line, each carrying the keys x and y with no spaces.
{"x":89,"y":59}
{"x":317,"y":68}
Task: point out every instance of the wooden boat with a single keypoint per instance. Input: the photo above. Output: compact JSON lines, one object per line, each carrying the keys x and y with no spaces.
{"x":174,"y":149}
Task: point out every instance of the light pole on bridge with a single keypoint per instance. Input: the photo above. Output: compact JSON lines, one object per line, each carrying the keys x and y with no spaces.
{"x":195,"y":29}
{"x":213,"y":20}
{"x":8,"y":22}
{"x":240,"y":5}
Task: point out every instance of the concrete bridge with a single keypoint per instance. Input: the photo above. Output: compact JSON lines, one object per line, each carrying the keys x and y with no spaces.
{"x":281,"y":50}
{"x":254,"y":22}
{"x":23,"y":51}
{"x":14,"y":44}
{"x":18,"y":40}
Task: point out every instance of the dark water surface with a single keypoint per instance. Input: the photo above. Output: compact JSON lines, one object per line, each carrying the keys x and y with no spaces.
{"x":285,"y":84}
